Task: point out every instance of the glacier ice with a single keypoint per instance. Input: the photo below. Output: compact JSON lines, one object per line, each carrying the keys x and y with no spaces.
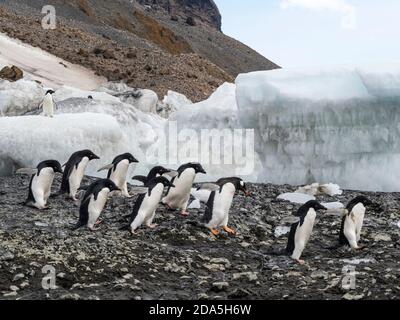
{"x":293,"y":197}
{"x":336,"y":124}
{"x":314,"y":189}
{"x":29,"y":140}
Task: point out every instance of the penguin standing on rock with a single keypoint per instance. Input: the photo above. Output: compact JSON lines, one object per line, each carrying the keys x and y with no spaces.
{"x":146,"y":205}
{"x":41,"y":182}
{"x":219,"y":203}
{"x":352,"y":222}
{"x":178,"y":197}
{"x":118,"y":170}
{"x":93,"y":203}
{"x":154,"y":173}
{"x":75,"y":171}
{"x":300,"y":232}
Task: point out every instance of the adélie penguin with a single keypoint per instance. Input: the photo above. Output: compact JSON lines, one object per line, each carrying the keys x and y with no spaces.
{"x":178,"y":197}
{"x":155,"y":172}
{"x":219,"y":203}
{"x":93,"y":203}
{"x":146,"y":205}
{"x":41,"y":182}
{"x":352,"y":222}
{"x":48,"y":104}
{"x":74,"y":172}
{"x":118,"y":170}
{"x":301,"y":231}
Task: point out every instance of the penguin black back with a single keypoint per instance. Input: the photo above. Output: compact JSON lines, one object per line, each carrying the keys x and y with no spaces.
{"x":93,"y":190}
{"x":118,"y":159}
{"x":72,"y":163}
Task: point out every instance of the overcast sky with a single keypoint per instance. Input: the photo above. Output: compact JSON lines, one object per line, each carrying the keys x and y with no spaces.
{"x":298,"y":33}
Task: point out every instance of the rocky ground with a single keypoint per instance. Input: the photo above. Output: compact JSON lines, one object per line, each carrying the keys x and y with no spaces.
{"x":180,"y":260}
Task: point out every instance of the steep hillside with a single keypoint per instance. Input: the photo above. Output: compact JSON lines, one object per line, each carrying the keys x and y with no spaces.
{"x":159,"y":44}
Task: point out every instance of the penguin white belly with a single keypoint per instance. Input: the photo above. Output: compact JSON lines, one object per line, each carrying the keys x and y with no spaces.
{"x":41,"y":187}
{"x":96,"y":207}
{"x":353,"y":225}
{"x":148,"y":207}
{"x":48,"y":106}
{"x":179,"y":196}
{"x":303,"y":234}
{"x":118,"y":176}
{"x":222,"y":205}
{"x":76,"y":176}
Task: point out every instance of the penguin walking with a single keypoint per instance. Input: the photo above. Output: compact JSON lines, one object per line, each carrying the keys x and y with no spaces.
{"x":178,"y":197}
{"x":93,"y":203}
{"x":75,"y":171}
{"x":48,"y":104}
{"x":154,"y":173}
{"x":41,"y":182}
{"x":300,"y":231}
{"x":146,"y":205}
{"x":118,"y":170}
{"x":219,"y":204}
{"x":352,"y":222}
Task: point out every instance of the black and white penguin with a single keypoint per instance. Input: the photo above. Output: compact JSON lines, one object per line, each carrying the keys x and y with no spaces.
{"x":178,"y":197}
{"x":118,"y":170}
{"x":93,"y":203}
{"x":48,"y":104}
{"x":75,"y":171}
{"x":219,"y":204}
{"x":41,"y":182}
{"x":146,"y":205}
{"x":300,"y":232}
{"x":154,"y":173}
{"x":352,"y":222}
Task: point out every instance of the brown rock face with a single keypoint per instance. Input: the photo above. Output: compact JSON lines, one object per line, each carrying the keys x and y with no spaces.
{"x":205,"y":11}
{"x":11,"y":73}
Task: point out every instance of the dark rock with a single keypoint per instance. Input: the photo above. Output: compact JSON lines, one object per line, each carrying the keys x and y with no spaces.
{"x":11,"y":73}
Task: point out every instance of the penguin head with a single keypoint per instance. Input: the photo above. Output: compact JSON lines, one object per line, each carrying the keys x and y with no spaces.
{"x":130,"y":158}
{"x":90,"y":97}
{"x":90,"y":155}
{"x":315,"y":205}
{"x":164,"y":181}
{"x":239,"y":184}
{"x":198,"y":168}
{"x":360,"y":199}
{"x":111,"y":185}
{"x":50,"y":92}
{"x":54,"y":164}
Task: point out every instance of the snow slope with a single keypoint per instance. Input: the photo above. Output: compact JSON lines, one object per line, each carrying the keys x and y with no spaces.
{"x":44,"y":67}
{"x":338,"y":124}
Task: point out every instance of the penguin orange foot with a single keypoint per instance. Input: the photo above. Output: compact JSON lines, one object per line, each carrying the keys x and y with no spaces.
{"x":215,"y":232}
{"x":184,"y":213}
{"x":229,"y":230}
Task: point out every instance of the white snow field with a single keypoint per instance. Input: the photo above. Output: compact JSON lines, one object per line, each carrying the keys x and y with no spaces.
{"x":45,"y":67}
{"x":338,"y":124}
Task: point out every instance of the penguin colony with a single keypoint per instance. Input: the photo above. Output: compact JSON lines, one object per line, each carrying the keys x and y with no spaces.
{"x":172,"y":188}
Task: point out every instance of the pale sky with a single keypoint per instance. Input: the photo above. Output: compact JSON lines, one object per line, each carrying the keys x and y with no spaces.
{"x":301,"y":33}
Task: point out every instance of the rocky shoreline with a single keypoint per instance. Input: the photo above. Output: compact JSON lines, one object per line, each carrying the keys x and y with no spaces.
{"x":180,"y":260}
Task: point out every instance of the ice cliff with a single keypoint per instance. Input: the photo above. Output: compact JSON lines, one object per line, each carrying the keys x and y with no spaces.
{"x":339,"y":124}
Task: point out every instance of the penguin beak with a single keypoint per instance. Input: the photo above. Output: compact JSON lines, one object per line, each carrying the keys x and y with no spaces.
{"x":134,"y":160}
{"x":96,"y":157}
{"x":323,"y":208}
{"x":203,"y":171}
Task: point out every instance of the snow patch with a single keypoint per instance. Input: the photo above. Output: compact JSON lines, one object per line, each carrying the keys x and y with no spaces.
{"x":299,"y":198}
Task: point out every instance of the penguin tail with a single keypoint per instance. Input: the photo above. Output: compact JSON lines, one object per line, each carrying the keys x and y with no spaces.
{"x":79,"y":225}
{"x":125,"y":228}
{"x":277,"y":253}
{"x":334,"y":247}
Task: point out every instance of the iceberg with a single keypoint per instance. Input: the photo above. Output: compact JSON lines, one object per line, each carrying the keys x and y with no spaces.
{"x":336,"y":124}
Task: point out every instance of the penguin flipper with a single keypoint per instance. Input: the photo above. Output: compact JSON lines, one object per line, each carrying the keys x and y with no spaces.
{"x":27,"y":171}
{"x":142,"y":179}
{"x":107,"y":167}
